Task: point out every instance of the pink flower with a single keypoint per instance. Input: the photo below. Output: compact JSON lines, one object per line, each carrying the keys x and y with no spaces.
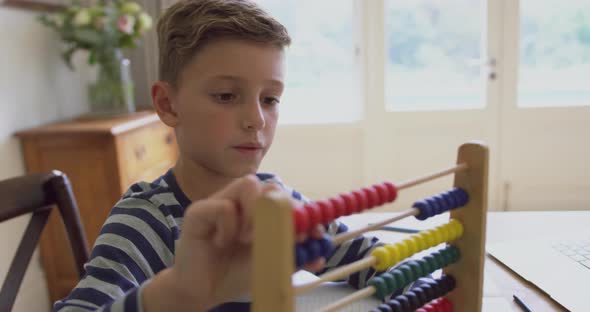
{"x":126,"y":24}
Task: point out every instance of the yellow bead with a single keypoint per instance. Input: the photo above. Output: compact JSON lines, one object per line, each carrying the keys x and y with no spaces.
{"x":443,"y":233}
{"x":419,"y":241}
{"x":452,"y":231}
{"x":394,"y":254}
{"x":437,"y":239}
{"x":427,"y":239}
{"x":382,"y":256}
{"x":403,"y":250}
{"x":412,"y":248}
{"x":458,"y":227}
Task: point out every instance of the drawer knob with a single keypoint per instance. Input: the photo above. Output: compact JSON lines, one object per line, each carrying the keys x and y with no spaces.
{"x":169,"y":138}
{"x":140,"y":152}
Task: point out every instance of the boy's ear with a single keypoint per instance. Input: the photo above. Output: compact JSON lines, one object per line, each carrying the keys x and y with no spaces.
{"x":162,"y":100}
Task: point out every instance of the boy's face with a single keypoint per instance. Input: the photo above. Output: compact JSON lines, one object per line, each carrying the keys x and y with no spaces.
{"x":225,"y":108}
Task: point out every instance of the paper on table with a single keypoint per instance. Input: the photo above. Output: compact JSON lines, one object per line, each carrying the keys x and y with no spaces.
{"x":328,"y":293}
{"x":496,"y":304}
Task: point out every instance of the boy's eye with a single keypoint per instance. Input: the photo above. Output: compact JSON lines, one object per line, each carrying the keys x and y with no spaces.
{"x":271,"y":100}
{"x":224,"y":97}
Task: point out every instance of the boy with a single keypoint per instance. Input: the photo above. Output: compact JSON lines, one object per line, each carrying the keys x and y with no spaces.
{"x":182,"y":242}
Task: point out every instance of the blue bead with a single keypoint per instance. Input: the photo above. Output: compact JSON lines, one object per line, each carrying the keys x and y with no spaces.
{"x":442,"y":203}
{"x":425,"y":210}
{"x":326,"y":247}
{"x":464,"y":196}
{"x":458,"y":198}
{"x":314,"y":249}
{"x":434,"y":206}
{"x":450,"y":198}
{"x":301,"y":257}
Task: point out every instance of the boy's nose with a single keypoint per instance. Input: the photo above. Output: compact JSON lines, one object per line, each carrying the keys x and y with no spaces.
{"x":253,"y":117}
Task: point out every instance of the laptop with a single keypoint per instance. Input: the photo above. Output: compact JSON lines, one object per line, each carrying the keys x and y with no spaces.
{"x":558,"y":266}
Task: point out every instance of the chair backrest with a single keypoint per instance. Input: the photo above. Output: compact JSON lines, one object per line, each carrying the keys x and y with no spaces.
{"x":37,"y":194}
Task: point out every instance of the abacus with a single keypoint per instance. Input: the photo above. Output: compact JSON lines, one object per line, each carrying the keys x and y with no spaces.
{"x":460,"y":287}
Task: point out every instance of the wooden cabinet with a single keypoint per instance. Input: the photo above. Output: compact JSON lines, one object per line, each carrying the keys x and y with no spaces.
{"x":101,"y":157}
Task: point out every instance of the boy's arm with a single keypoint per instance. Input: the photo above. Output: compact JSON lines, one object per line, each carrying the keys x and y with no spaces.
{"x":351,"y":251}
{"x":134,"y":244}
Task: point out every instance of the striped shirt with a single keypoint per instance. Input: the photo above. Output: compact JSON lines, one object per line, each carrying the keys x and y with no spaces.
{"x":138,"y":240}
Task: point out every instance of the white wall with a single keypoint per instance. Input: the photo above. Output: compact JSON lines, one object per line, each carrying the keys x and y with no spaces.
{"x":35,"y":88}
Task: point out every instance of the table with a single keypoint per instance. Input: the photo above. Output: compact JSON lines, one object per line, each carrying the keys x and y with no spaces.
{"x":499,"y":281}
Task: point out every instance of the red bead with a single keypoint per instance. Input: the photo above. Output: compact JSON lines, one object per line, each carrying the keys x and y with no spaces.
{"x":361,"y":199}
{"x":421,"y":310}
{"x":328,"y":211}
{"x":391,"y":191}
{"x":314,"y":213}
{"x":339,"y":206}
{"x":301,"y":220}
{"x":372,"y":196}
{"x":429,"y":308}
{"x":351,"y":203}
{"x":382,"y":192}
{"x":446,"y":305}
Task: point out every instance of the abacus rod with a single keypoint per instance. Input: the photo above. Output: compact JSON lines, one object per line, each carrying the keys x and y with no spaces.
{"x":358,"y":295}
{"x":426,"y":178}
{"x":337,"y":274}
{"x":341,"y":238}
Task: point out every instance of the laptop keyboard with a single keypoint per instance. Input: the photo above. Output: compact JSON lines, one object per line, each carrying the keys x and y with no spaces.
{"x":578,"y":251}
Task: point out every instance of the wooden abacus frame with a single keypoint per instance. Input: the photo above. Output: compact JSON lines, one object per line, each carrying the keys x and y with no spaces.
{"x":273,"y":258}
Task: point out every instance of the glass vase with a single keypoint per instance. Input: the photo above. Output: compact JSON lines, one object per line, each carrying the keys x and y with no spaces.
{"x":111,"y":93}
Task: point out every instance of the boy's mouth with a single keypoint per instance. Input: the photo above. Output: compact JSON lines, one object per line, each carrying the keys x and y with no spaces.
{"x":248,"y":148}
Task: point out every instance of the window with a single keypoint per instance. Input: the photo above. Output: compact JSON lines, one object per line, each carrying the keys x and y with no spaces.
{"x":322,"y":84}
{"x":554,"y":53}
{"x":433,"y":55}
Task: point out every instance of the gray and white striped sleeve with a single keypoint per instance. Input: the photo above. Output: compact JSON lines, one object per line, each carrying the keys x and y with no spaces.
{"x":135,"y":243}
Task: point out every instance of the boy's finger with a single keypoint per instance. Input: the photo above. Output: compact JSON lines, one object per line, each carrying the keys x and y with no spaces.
{"x":316,"y":265}
{"x":211,"y":219}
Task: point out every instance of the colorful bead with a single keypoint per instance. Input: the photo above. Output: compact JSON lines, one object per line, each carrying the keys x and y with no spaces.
{"x":382,"y":192}
{"x":408,"y":273}
{"x":383,"y":259}
{"x":458,"y":226}
{"x":389,"y":281}
{"x":384,"y":308}
{"x":419,"y":242}
{"x":405,"y":302}
{"x":400,"y":279}
{"x":427,"y":238}
{"x":327,"y":210}
{"x":416,"y":268}
{"x":361,"y":199}
{"x":435,"y":235}
{"x":411,"y":246}
{"x":414,"y":301}
{"x":372,"y":196}
{"x":301,"y":220}
{"x":351,"y":203}
{"x":395,"y":306}
{"x":380,"y":287}
{"x":443,"y":233}
{"x":394,"y":254}
{"x":403,"y":250}
{"x":339,"y":206}
{"x":314,"y":213}
{"x":391,"y":191}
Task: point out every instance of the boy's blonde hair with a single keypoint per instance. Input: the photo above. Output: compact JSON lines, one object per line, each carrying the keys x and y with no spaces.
{"x":188,"y":25}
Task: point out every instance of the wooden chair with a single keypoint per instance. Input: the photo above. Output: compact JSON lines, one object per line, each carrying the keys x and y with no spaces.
{"x":38,"y":194}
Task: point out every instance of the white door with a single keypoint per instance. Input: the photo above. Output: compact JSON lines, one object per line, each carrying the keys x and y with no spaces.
{"x":439,"y":88}
{"x":545,"y":113}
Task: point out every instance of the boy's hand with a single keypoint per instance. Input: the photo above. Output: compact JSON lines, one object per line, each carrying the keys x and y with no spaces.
{"x":213,"y":255}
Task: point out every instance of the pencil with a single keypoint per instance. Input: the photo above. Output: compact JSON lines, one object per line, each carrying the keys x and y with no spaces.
{"x":521,"y":304}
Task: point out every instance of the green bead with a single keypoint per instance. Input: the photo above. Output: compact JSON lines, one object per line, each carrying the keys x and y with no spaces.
{"x":390,"y":281}
{"x":380,"y":287}
{"x":416,"y":268}
{"x":457,"y":253}
{"x":425,"y":266}
{"x":448,"y":256}
{"x":408,"y":274}
{"x":400,"y":279}
{"x":439,"y":259}
{"x":432,"y":261}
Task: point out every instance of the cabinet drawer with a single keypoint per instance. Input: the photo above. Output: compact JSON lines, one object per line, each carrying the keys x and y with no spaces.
{"x":145,"y":149}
